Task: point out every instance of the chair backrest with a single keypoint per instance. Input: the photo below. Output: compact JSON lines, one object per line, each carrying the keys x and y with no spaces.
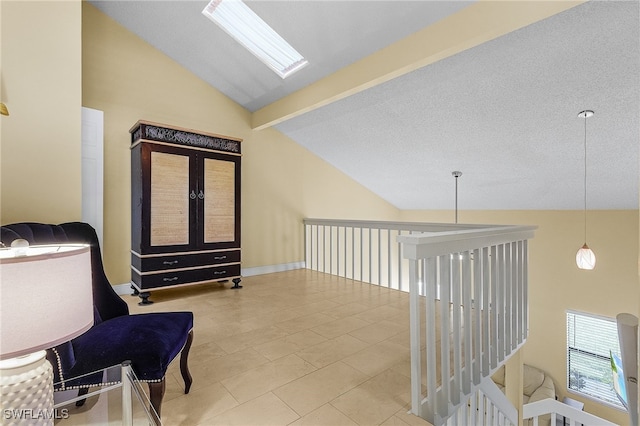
{"x":106,"y":302}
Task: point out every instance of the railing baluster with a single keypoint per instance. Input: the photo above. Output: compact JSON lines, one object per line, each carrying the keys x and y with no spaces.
{"x":507,"y":298}
{"x":494,"y":308}
{"x":486,"y":312}
{"x":399,"y":262}
{"x":478,"y":284}
{"x":318,"y":247}
{"x":370,"y":258}
{"x":309,"y":251}
{"x":473,"y":410}
{"x":445,"y":330}
{"x":500,"y":304}
{"x":415,"y":340}
{"x":379,"y":257}
{"x":330,"y":247}
{"x":467,"y":307}
{"x":525,"y":289}
{"x":354,"y":255}
{"x":519,"y":281}
{"x":513,"y":283}
{"x":513,"y":280}
{"x":389,"y":283}
{"x":454,"y":264}
{"x":361,"y":253}
{"x":345,"y":251}
{"x":306,"y":251}
{"x":430,"y":277}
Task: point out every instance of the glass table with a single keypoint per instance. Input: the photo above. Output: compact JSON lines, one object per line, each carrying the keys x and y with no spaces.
{"x":121,"y":400}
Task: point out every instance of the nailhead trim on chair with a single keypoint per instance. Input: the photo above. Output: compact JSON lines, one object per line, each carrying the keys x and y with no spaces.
{"x":55,"y":351}
{"x":65,"y":387}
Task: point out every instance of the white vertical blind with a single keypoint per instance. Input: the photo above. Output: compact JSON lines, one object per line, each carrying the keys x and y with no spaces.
{"x":590,"y":339}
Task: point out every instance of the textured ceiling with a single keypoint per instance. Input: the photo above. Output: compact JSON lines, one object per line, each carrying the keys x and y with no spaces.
{"x":504,"y":112}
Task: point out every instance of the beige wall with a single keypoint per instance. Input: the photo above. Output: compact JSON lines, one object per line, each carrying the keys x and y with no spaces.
{"x":40,"y":84}
{"x":556,"y":284}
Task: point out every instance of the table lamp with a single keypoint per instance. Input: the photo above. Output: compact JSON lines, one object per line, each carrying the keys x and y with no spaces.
{"x":45,"y":300}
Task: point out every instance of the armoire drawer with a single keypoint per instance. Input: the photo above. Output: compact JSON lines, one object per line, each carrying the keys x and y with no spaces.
{"x":179,"y":261}
{"x":172,"y":278}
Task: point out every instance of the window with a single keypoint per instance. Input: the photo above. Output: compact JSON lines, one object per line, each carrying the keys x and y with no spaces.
{"x":590,"y":341}
{"x":241,"y":23}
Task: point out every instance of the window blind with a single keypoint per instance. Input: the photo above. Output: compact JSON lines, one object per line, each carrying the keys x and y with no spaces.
{"x":590,"y":341}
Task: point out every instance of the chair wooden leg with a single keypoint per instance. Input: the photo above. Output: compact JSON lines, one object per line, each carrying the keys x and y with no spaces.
{"x":156,"y":393}
{"x":82,"y":391}
{"x":184,"y":368}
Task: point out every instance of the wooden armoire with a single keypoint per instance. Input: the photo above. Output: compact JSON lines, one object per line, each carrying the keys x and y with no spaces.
{"x":185,"y":208}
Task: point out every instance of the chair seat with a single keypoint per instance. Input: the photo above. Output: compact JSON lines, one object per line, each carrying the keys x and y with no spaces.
{"x":150,"y":341}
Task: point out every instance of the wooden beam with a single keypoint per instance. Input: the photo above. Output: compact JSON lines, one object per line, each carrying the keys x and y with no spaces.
{"x":483,"y":21}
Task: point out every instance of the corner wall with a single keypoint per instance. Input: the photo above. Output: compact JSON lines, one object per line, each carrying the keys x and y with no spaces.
{"x":40,"y":163}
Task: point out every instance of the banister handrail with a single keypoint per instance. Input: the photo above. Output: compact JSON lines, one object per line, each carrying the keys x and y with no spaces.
{"x":394,"y":225}
{"x":499,"y":399}
{"x":425,"y":245}
{"x":549,"y":406}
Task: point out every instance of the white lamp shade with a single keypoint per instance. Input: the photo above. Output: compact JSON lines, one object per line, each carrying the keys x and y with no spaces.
{"x":45,"y":298}
{"x":585,"y":258}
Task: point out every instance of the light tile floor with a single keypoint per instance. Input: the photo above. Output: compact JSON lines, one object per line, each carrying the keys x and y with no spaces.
{"x":292,"y":348}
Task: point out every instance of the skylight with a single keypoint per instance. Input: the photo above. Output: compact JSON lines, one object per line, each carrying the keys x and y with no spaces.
{"x":241,"y":23}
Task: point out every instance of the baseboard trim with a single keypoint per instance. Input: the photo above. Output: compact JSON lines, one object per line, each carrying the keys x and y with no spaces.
{"x":246,"y":272}
{"x":270,"y":269}
{"x":123,"y":289}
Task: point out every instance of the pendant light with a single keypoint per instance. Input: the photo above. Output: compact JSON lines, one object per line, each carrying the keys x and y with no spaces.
{"x":456,"y":175}
{"x":585,"y":257}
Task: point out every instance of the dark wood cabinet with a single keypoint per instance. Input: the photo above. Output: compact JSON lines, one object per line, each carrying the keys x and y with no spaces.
{"x":185,"y":202}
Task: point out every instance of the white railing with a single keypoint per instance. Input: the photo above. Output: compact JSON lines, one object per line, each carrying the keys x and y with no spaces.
{"x":363,"y":250}
{"x":487,"y":405}
{"x":481,"y":275}
{"x":572,"y":416}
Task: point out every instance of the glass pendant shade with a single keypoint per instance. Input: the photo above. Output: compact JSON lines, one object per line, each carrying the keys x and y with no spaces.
{"x":585,"y":258}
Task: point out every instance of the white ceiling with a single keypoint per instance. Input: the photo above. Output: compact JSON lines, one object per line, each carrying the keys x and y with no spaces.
{"x":504,"y":112}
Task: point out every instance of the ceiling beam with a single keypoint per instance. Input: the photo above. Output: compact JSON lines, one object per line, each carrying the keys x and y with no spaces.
{"x":482,"y":21}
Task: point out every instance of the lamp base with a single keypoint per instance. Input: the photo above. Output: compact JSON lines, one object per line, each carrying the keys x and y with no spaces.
{"x":26,"y":390}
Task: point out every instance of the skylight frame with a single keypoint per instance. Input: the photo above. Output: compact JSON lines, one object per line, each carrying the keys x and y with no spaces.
{"x":248,"y":29}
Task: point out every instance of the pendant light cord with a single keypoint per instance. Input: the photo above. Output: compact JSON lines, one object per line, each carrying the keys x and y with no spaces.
{"x":456,"y":199}
{"x":456,"y":175}
{"x":585,"y":177}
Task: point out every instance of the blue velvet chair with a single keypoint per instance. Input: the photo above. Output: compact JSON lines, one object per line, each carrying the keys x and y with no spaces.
{"x":150,"y":341}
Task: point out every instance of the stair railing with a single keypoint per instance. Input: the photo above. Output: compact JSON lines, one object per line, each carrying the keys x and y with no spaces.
{"x":482,"y":278}
{"x":365,"y":250}
{"x":572,"y":416}
{"x":487,"y":405}
{"x":478,"y":272}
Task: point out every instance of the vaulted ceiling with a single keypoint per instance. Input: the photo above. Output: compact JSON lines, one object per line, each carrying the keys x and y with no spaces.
{"x":398,"y":94}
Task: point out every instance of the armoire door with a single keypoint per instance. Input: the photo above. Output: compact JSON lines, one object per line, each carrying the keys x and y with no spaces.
{"x":172,"y":194}
{"x":218,"y":209}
